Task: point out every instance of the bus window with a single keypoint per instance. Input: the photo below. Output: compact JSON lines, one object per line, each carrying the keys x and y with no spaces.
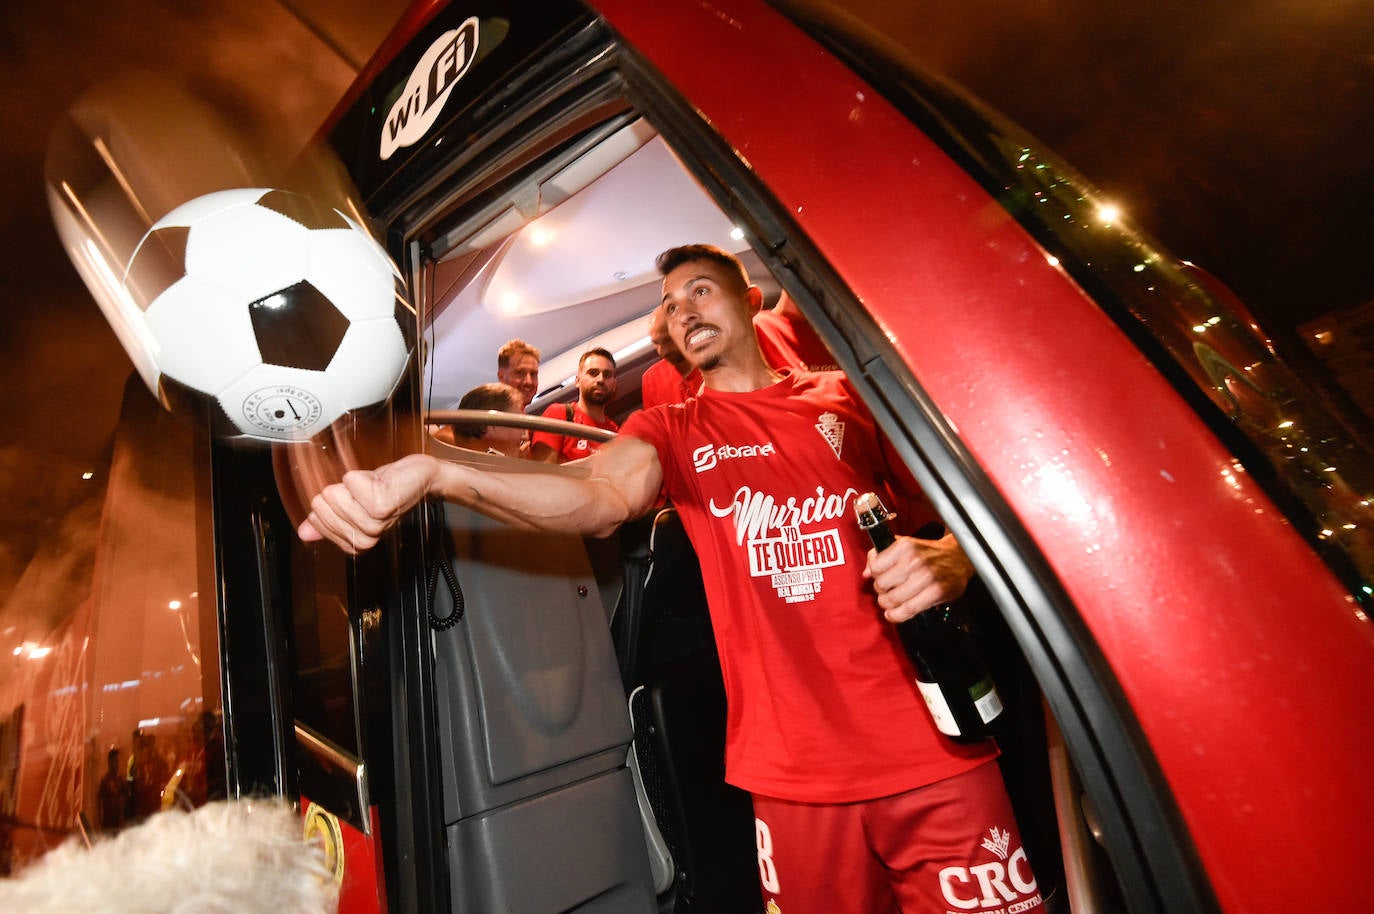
{"x":522,"y":268}
{"x":322,"y":649}
{"x":112,"y":709}
{"x":581,"y":274}
{"x":322,"y":661}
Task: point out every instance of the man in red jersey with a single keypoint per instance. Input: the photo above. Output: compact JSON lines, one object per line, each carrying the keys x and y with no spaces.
{"x":861,"y":805}
{"x":493,"y":439}
{"x":517,"y":364}
{"x":788,"y":341}
{"x":672,"y":379}
{"x":595,"y":387}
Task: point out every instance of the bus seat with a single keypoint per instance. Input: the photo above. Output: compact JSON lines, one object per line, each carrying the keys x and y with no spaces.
{"x":539,"y":805}
{"x":677,"y":706}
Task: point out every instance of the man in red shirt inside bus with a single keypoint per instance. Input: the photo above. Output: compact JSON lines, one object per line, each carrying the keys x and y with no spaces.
{"x":595,"y":388}
{"x":517,"y":364}
{"x":861,"y":805}
{"x":672,"y":379}
{"x":788,"y":341}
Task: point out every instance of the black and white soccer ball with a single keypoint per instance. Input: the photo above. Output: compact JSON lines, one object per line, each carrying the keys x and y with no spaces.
{"x":275,"y":314}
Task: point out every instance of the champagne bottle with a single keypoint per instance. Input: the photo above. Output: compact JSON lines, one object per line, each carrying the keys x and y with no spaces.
{"x":958,"y":690}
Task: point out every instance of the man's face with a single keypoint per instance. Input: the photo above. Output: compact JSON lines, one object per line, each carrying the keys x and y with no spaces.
{"x":661,"y":339}
{"x":523,"y":374}
{"x":504,"y":439}
{"x":596,"y":380}
{"x":708,"y":311}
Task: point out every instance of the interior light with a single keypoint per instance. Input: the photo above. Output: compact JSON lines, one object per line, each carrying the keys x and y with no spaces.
{"x":87,"y":475}
{"x":737,"y":233}
{"x":510,"y":303}
{"x":1108,"y":213}
{"x":39,"y":653}
{"x":540,"y":236}
{"x":1052,"y":260}
{"x":175,"y":604}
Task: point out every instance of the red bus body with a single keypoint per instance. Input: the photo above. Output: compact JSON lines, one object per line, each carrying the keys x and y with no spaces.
{"x":1193,"y":585}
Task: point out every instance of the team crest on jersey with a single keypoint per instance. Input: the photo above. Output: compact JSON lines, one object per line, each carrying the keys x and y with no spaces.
{"x":772,"y":907}
{"x":832,"y":430}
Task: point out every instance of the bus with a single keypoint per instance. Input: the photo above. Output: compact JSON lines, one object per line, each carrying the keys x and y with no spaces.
{"x":1170,"y":525}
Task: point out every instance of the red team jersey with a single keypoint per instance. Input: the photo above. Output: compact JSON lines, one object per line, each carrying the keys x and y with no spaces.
{"x":661,"y":383}
{"x":571,"y":448}
{"x":823,"y":707}
{"x":787,"y":341}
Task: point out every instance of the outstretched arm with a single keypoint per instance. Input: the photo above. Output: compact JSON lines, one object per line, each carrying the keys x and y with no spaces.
{"x":623,"y":480}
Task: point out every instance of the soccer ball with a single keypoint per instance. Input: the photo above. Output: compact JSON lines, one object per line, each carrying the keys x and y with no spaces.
{"x":275,"y":314}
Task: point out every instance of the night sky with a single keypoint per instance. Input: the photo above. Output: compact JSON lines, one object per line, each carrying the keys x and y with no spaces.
{"x":1238,"y":135}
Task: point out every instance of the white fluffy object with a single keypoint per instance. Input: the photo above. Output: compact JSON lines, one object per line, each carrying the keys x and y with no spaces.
{"x":235,"y":857}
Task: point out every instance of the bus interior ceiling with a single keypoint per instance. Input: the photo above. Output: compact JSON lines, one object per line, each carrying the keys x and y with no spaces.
{"x":575,"y":275}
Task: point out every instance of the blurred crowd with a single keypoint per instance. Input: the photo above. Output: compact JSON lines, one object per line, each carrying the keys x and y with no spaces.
{"x":147,"y":777}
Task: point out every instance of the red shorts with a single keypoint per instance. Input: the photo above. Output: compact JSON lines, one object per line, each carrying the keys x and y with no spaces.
{"x":951,"y":847}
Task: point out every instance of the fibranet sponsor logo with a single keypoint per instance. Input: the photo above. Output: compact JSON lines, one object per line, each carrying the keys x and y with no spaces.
{"x":708,"y":455}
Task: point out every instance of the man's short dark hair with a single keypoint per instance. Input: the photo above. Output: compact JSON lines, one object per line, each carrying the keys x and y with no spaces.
{"x":497,"y":396}
{"x":604,"y":353}
{"x":673,"y":258}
